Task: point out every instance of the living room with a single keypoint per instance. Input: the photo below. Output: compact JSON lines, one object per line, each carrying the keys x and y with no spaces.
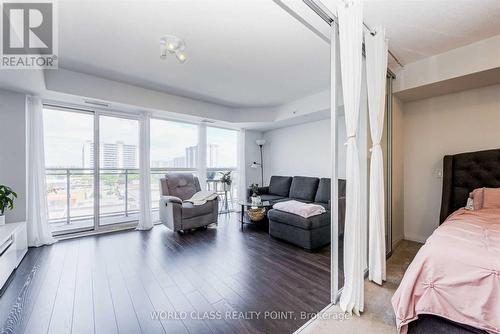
{"x":231,"y":166}
{"x":98,"y":127}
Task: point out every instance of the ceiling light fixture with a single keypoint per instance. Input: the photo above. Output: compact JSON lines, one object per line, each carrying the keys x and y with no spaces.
{"x":173,"y":45}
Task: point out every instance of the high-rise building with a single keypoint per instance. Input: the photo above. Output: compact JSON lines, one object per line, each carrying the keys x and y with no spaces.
{"x":111,"y":155}
{"x":128,"y":155}
{"x":180,"y":162}
{"x":192,"y":156}
{"x":121,"y":155}
{"x":212,"y":155}
{"x":88,"y":154}
{"x":108,"y":155}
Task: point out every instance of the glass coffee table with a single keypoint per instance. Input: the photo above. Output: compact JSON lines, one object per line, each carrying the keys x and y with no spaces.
{"x":245,"y":205}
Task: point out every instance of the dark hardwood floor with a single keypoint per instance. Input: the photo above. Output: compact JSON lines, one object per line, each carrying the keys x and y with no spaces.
{"x":112,"y":283}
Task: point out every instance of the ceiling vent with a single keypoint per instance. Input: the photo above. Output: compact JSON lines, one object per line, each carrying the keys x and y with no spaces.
{"x":98,"y":103}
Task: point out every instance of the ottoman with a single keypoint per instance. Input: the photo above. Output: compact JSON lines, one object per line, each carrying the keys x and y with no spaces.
{"x":309,"y":233}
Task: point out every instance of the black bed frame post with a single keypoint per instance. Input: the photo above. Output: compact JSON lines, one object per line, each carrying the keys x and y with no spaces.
{"x":447,"y":188}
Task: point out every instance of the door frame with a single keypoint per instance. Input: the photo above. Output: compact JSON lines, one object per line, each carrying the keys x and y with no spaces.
{"x":96,"y":114}
{"x":98,"y":227}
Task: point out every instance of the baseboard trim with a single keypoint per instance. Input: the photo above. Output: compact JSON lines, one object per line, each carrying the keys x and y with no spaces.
{"x":415,"y":239}
{"x":397,"y":243}
{"x":113,"y":229}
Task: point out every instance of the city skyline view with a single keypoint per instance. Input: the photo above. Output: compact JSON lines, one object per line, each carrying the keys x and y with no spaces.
{"x":68,"y":133}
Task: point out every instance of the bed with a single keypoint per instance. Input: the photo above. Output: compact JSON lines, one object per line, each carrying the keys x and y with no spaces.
{"x":453,"y":283}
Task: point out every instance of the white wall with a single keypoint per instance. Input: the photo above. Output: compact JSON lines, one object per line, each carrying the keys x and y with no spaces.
{"x":434,"y":127}
{"x":13,"y":150}
{"x":398,"y":151}
{"x":302,"y":150}
{"x":298,"y":150}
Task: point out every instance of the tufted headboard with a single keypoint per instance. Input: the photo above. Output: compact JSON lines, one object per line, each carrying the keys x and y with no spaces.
{"x":465,"y":172}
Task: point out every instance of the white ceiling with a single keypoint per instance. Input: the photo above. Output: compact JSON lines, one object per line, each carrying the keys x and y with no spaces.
{"x":246,"y":53}
{"x":240,"y":52}
{"x":421,"y":28}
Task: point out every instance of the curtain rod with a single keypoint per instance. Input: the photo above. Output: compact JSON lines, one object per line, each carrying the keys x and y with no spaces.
{"x":330,"y":18}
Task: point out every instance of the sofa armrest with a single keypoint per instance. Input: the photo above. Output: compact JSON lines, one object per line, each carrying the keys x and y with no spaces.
{"x":341,"y":215}
{"x":263,"y":190}
{"x":260,"y":191}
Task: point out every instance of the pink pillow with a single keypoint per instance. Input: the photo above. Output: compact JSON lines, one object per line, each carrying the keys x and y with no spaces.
{"x":491,"y":198}
{"x":477,"y":195}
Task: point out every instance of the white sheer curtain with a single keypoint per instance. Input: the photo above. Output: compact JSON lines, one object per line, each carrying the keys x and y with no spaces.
{"x":145,"y":220}
{"x":350,"y":14}
{"x":242,"y":186}
{"x":202,"y":156}
{"x":38,"y":229}
{"x":376,"y":69}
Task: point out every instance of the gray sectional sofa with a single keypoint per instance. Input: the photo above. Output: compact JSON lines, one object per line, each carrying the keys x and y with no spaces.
{"x":310,"y":233}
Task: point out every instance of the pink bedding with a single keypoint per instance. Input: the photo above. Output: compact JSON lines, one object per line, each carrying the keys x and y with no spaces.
{"x":456,"y":274}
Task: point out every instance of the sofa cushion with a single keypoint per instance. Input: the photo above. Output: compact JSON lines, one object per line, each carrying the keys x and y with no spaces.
{"x":280,"y":185}
{"x":323,"y":193}
{"x":304,"y":188}
{"x":298,"y":221}
{"x":190,"y":211}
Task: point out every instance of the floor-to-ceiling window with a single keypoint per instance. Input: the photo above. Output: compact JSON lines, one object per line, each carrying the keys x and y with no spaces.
{"x":222,"y":161}
{"x":70,"y":176}
{"x":174,"y":148}
{"x":96,"y":152}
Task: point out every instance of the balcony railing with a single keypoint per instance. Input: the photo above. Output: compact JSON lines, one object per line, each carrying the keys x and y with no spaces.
{"x":70,"y":195}
{"x":227,"y":194}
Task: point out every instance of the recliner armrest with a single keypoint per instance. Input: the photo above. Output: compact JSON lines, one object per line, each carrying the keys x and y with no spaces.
{"x":171,"y":212}
{"x":170,"y":199}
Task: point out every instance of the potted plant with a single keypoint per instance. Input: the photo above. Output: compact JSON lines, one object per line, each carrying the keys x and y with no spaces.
{"x":7,"y":196}
{"x":226,"y":180}
{"x":255,"y":189}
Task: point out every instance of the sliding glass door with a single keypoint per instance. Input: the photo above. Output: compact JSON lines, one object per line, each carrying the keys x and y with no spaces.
{"x":69,"y":177}
{"x":118,"y":170}
{"x":77,"y":168}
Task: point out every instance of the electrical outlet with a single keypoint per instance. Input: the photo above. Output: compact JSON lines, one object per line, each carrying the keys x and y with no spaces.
{"x":439,"y":173}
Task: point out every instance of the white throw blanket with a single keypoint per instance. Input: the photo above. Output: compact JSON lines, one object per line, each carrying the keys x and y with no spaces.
{"x":201,"y":197}
{"x":305,"y":210}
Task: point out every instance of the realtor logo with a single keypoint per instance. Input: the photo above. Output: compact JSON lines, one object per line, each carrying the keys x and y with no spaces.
{"x":28,"y":35}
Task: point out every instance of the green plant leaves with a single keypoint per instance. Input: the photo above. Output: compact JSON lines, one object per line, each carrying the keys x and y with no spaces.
{"x":7,"y":196}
